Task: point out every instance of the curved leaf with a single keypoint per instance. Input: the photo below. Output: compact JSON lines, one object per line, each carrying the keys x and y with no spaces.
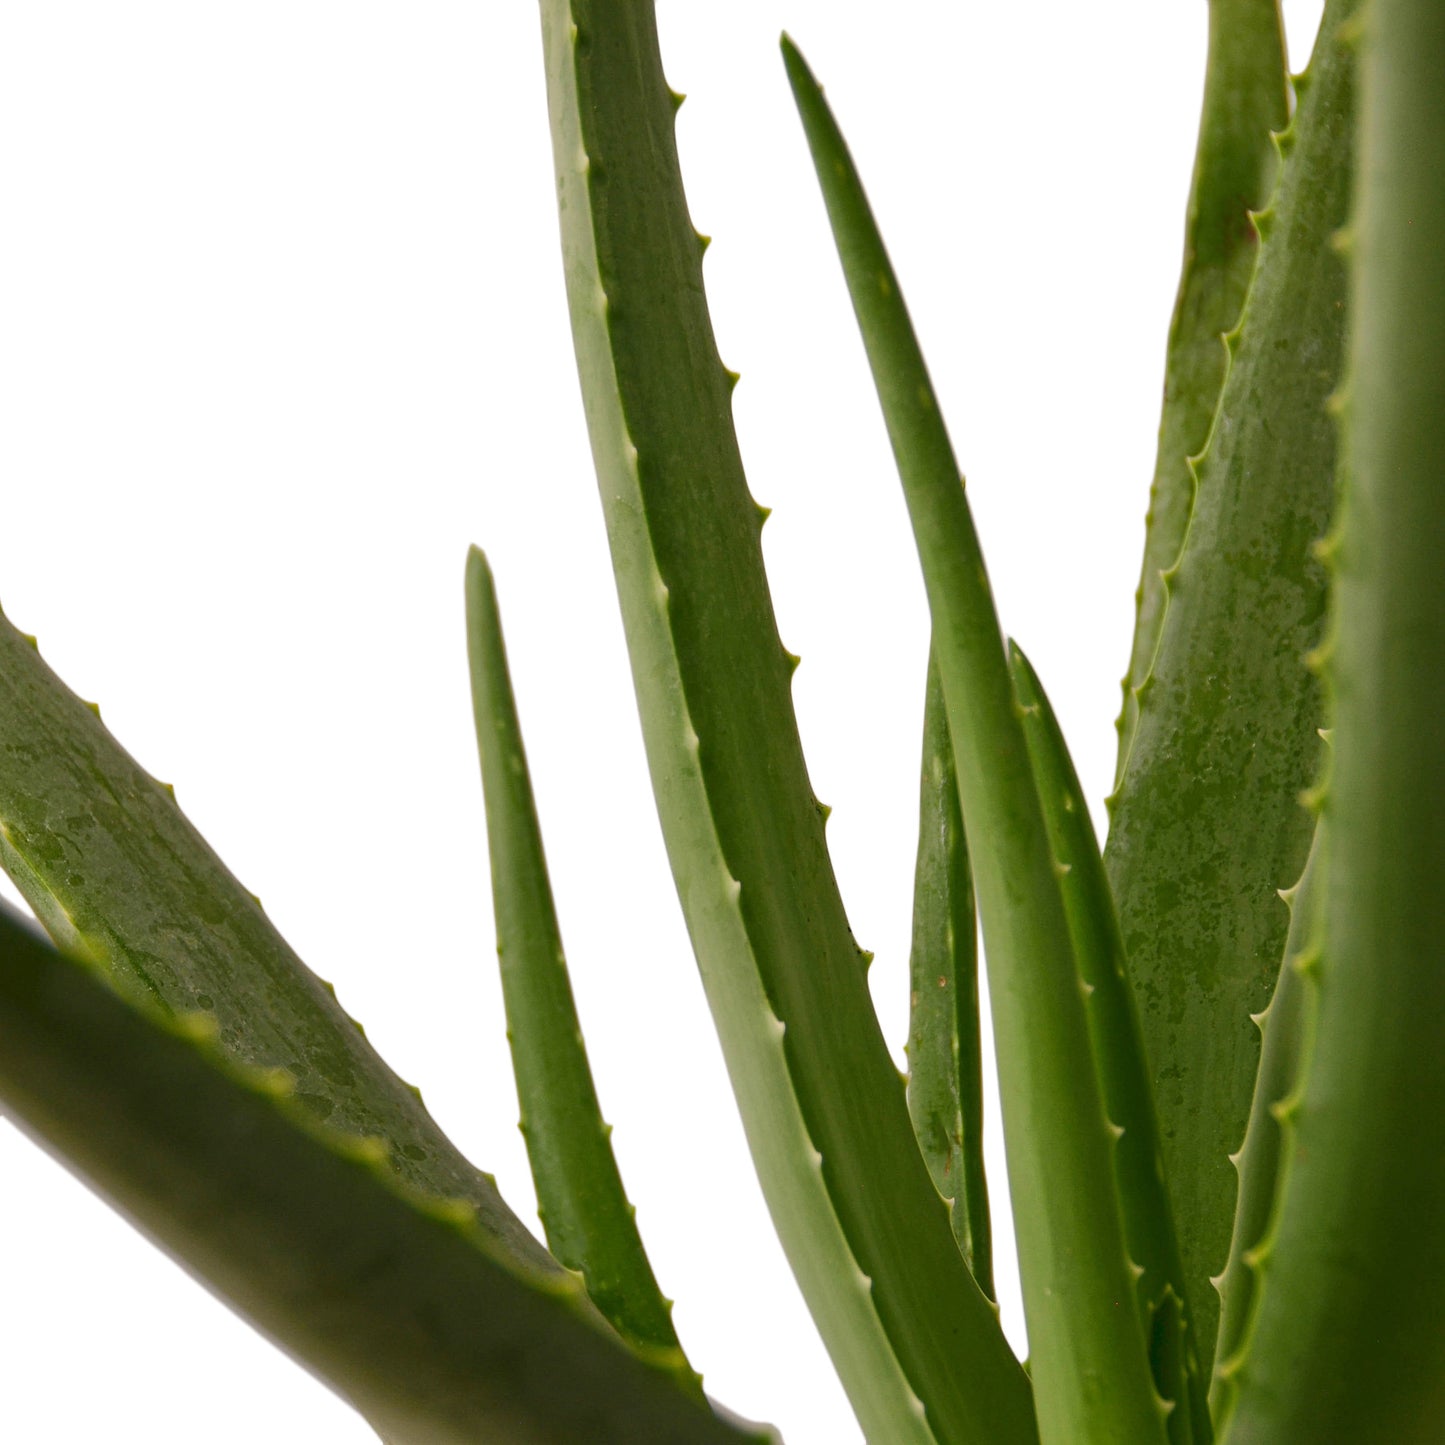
{"x":590,"y":1225}
{"x":1246,"y":100}
{"x":117,"y":873}
{"x":945,"y":1059}
{"x":1358,"y":1239}
{"x":916,"y":1344}
{"x":1087,"y":1355}
{"x":1207,"y":826}
{"x":1119,"y":1058}
{"x":1262,"y":1161}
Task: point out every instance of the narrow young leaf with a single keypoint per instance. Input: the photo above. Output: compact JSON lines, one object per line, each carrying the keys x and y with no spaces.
{"x":1207,"y":826}
{"x":590,"y":1225}
{"x":403,"y":1302}
{"x":945,"y":1061}
{"x":1088,"y":1361}
{"x":1122,"y":1068}
{"x":1246,"y":100}
{"x":1263,"y":1157}
{"x":1358,"y":1238}
{"x":916,"y":1344}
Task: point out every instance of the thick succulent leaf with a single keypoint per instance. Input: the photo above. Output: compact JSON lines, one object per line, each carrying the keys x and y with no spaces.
{"x":916,"y":1344}
{"x":1246,"y":99}
{"x":115,"y":871}
{"x":1207,"y":826}
{"x":1087,"y":1354}
{"x":1122,"y":1068}
{"x":945,"y":1058}
{"x":1261,"y":1161}
{"x":1350,"y":1339}
{"x":402,"y":1301}
{"x":590,"y":1225}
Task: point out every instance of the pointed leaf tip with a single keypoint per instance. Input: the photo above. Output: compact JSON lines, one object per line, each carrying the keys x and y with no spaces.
{"x":1019,"y":899}
{"x":590,"y":1224}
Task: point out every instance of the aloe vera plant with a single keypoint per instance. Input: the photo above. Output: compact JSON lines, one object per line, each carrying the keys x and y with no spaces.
{"x":1222,"y":1095}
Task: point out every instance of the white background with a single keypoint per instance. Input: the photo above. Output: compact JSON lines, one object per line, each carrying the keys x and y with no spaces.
{"x":282,"y":330}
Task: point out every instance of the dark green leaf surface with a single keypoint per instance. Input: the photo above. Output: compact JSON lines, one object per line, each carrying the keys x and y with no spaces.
{"x":945,"y":1063}
{"x":1122,"y":1068}
{"x":584,"y":1209}
{"x":916,"y":1344}
{"x":1246,"y":99}
{"x":401,"y":1301}
{"x":1207,"y":825}
{"x":1087,"y":1353}
{"x":1350,"y":1339}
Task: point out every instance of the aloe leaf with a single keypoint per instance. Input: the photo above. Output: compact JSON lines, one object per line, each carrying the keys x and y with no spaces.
{"x":404,"y":1302}
{"x":945,"y":1058}
{"x":1088,"y":1363}
{"x":590,"y":1225}
{"x":1123,"y":1070}
{"x":1358,"y":1236}
{"x":114,"y":870}
{"x":917,"y":1346}
{"x":1246,"y":100}
{"x":1207,"y":826}
{"x":1263,"y":1157}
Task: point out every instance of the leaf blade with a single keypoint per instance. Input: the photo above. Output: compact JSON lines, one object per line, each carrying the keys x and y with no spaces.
{"x":822,"y":1104}
{"x":1123,"y":1069}
{"x":115,"y":870}
{"x":1357,"y":1237}
{"x":1263,"y":1158}
{"x":945,"y":1057}
{"x":1091,"y":1380}
{"x":1207,"y":825}
{"x":590,"y":1225}
{"x":1246,"y":101}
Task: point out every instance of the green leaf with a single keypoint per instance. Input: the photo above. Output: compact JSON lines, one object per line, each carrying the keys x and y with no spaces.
{"x":916,"y":1344}
{"x":590,"y":1225}
{"x":1123,"y":1070}
{"x":945,"y":1060}
{"x":1262,"y":1160}
{"x":1207,"y":826}
{"x":1358,"y":1240}
{"x":117,"y":874}
{"x":1088,"y":1363}
{"x":403,"y":1302}
{"x":1246,"y":100}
